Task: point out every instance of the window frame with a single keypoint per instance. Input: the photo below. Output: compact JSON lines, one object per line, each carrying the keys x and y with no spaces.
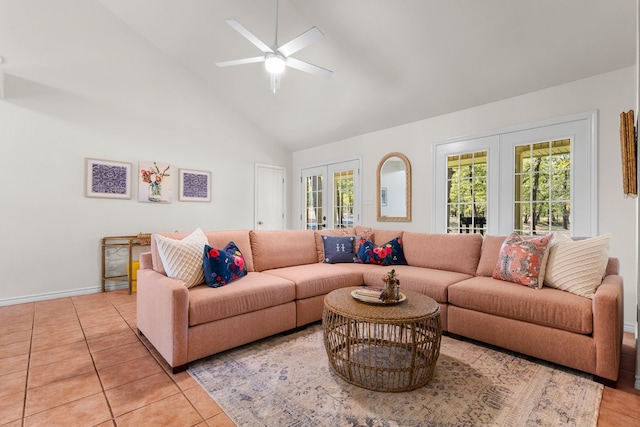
{"x":581,"y":128}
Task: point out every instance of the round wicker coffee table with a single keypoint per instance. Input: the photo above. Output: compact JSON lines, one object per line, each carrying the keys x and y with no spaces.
{"x":382,"y":347}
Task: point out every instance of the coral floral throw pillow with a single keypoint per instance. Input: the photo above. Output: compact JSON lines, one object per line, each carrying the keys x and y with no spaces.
{"x":523,"y":261}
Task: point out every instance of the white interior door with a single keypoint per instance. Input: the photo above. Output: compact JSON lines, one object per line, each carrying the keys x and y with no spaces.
{"x":269,"y":197}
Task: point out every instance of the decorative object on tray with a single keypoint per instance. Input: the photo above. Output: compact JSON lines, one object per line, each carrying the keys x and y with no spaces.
{"x":365,"y":294}
{"x":392,"y":287}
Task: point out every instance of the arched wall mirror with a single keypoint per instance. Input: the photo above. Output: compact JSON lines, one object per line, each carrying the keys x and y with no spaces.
{"x":394,"y":188}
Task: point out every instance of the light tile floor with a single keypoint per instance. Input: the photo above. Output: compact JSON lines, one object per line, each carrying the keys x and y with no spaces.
{"x":79,"y":361}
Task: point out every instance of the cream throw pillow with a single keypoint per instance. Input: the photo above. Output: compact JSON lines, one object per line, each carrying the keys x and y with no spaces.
{"x":577,"y":266}
{"x":182,"y":259}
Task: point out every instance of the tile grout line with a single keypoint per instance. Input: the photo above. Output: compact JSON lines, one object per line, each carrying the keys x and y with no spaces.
{"x":93,"y":362}
{"x":26,"y":378}
{"x":138,"y":336}
{"x":168,"y":374}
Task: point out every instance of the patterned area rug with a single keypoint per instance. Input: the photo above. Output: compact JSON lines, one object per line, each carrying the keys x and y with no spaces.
{"x":286,"y":380}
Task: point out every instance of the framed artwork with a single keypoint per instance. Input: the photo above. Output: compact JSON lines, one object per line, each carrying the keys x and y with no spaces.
{"x":108,"y":179}
{"x":195,"y":186}
{"x":155,"y":182}
{"x":383,"y":196}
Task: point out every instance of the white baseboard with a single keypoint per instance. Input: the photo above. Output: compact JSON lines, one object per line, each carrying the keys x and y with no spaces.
{"x":60,"y":294}
{"x":630,"y":327}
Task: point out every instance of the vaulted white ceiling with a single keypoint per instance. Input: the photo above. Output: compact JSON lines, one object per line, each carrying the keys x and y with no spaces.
{"x":394,"y":62}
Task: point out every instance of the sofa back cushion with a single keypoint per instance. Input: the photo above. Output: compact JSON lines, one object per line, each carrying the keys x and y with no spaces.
{"x":282,"y":248}
{"x":451,"y":252}
{"x":216,"y":239}
{"x":380,"y":237}
{"x":489,"y":257}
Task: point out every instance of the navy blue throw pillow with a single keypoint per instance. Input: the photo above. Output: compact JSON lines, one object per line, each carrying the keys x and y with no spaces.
{"x":339,"y":249}
{"x":221,"y":267}
{"x":390,"y":253}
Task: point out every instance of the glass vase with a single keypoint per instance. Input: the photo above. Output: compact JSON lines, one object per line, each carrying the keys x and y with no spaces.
{"x":155,"y":192}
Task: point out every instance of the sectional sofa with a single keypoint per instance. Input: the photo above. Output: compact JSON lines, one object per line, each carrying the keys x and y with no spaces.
{"x":288,"y":279}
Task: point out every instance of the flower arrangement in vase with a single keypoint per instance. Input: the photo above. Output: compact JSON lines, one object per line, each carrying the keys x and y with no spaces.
{"x":392,"y":286}
{"x":154,"y":177}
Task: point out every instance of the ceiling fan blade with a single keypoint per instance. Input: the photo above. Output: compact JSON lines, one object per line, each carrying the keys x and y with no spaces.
{"x":302,"y":41}
{"x":240,"y":61}
{"x":249,"y":35}
{"x":308,"y":68}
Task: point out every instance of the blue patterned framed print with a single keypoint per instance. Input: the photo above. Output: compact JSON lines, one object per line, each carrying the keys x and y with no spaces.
{"x":109,"y":179}
{"x":195,"y":186}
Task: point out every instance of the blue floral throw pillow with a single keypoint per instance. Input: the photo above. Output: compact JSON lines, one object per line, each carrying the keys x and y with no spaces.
{"x":222,"y":267}
{"x":339,"y":249}
{"x":390,"y":253}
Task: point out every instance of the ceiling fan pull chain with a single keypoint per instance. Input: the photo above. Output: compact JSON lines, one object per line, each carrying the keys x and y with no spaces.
{"x":276,"y":42}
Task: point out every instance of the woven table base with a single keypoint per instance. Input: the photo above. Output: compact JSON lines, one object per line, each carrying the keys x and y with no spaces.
{"x":380,"y":349}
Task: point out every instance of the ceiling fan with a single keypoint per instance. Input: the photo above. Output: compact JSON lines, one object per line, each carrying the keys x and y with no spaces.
{"x":277,"y":58}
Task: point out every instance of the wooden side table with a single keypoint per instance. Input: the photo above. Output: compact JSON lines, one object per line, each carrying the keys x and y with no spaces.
{"x":128,"y":242}
{"x":382,"y":347}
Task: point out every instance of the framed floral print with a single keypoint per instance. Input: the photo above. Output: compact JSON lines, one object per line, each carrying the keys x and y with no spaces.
{"x":195,"y":186}
{"x":108,"y":179}
{"x":155,"y":182}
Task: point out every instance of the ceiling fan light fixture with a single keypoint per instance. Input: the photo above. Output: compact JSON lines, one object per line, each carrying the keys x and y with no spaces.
{"x":274,"y":63}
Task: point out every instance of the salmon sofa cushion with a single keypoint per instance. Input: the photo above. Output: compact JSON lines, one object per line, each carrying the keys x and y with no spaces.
{"x":253,"y":292}
{"x":282,"y":248}
{"x":546,"y":306}
{"x":450,"y":252}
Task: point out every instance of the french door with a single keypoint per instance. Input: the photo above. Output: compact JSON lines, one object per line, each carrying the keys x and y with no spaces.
{"x":331,"y":196}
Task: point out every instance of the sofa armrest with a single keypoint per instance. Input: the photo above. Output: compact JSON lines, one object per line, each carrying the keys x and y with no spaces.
{"x":608,"y":326}
{"x":146,"y":261}
{"x":163,"y":315}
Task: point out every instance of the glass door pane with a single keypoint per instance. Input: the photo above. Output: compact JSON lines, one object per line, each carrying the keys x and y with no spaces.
{"x":344,"y":184}
{"x":467,"y":193}
{"x":314,"y":188}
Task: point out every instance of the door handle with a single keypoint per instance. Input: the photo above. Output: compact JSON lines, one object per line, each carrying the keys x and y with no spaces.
{"x":260,"y":223}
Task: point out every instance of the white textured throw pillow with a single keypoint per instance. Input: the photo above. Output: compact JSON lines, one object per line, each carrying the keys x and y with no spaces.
{"x":577,"y":266}
{"x":182,"y":259}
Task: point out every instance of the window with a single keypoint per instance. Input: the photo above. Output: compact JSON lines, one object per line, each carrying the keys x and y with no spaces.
{"x":467,"y":192}
{"x":542,"y":199}
{"x":533,"y":179}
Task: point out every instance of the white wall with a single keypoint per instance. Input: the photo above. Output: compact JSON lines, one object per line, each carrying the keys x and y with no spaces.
{"x":610,"y":94}
{"x":78,"y":83}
